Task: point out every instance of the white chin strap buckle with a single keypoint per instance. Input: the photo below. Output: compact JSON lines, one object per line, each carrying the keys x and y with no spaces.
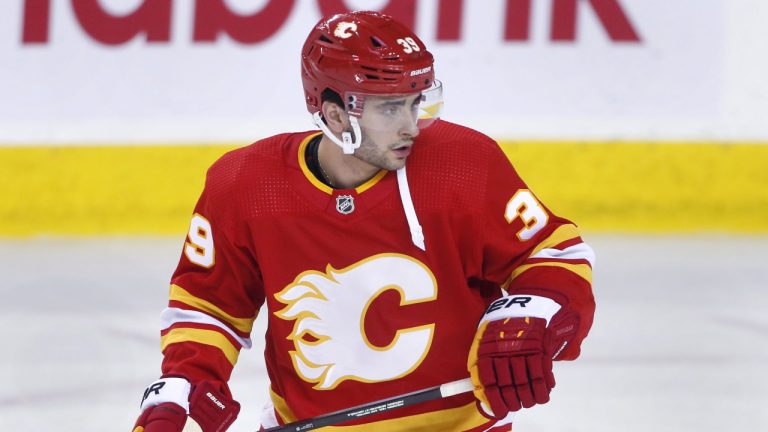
{"x":346,"y":143}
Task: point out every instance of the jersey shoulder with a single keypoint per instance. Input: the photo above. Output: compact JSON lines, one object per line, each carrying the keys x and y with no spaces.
{"x":254,"y":172}
{"x":445,"y":136}
{"x":263,"y":158}
{"x":456,"y":148}
{"x":451,"y":165}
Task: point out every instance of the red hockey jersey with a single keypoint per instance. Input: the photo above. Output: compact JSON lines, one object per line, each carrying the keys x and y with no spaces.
{"x":357,"y":312}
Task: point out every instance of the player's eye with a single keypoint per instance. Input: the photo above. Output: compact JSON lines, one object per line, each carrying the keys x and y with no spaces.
{"x":391,"y":110}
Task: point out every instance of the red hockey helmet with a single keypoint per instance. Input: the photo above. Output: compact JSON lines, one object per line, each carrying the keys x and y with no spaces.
{"x":364,"y":52}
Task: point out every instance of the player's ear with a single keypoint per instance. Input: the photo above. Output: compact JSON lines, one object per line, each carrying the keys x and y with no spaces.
{"x":335,"y":117}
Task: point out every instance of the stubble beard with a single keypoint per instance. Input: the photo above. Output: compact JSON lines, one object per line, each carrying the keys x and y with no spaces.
{"x":373,"y":155}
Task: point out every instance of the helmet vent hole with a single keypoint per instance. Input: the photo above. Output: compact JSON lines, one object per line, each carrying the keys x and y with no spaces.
{"x":376,"y":42}
{"x":323,"y":38}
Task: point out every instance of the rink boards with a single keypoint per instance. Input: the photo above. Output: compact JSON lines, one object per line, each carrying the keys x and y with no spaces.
{"x":603,"y":186}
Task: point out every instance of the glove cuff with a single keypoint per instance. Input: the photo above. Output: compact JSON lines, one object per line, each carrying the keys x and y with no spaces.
{"x":521,"y":305}
{"x":173,"y":390}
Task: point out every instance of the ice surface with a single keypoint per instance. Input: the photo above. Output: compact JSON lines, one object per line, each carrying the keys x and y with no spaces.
{"x":680,"y":340}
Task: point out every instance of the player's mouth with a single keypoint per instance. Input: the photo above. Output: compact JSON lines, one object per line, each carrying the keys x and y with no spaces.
{"x":402,"y":151}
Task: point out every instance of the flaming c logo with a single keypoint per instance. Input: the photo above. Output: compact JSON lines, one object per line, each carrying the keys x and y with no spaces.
{"x":345,"y":29}
{"x":330,"y":308}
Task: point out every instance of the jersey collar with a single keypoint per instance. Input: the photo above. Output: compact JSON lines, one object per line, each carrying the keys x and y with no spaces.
{"x":322,"y":186}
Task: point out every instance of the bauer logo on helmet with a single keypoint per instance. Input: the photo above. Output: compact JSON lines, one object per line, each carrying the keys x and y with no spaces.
{"x":421,"y":71}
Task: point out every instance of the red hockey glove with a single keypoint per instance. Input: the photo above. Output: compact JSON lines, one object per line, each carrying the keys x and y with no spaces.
{"x":167,"y":401}
{"x":510,"y":360}
{"x":166,"y":417}
{"x":510,"y":367}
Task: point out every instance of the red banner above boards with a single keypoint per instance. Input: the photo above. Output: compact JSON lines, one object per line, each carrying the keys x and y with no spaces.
{"x":214,"y":18}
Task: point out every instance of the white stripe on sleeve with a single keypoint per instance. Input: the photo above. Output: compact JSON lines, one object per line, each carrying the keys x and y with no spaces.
{"x":575,"y":252}
{"x":171,"y":316}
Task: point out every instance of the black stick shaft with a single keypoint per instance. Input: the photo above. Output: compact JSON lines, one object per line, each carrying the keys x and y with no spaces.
{"x":401,"y":401}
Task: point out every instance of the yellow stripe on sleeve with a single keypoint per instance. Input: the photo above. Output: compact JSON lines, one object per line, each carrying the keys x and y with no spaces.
{"x":559,"y":235}
{"x":205,"y":337}
{"x":181,"y":295}
{"x":583,"y":270}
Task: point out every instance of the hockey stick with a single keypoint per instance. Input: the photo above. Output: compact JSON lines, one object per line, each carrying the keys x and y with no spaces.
{"x":442,"y":391}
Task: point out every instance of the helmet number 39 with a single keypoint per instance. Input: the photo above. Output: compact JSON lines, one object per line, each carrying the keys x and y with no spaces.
{"x":409,"y":45}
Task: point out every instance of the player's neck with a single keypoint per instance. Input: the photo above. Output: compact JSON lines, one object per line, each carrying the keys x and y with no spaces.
{"x":341,"y":170}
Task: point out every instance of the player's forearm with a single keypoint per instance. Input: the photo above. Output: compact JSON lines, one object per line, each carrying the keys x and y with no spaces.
{"x":573,"y":293}
{"x":197,"y":362}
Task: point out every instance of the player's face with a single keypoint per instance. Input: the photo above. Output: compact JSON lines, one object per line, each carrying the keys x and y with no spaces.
{"x":388,"y":127}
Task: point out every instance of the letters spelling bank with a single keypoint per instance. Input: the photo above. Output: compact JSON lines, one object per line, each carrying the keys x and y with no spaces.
{"x":212,"y":18}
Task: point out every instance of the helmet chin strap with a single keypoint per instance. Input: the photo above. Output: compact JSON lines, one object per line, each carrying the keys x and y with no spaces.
{"x":346,"y":143}
{"x":348,"y":146}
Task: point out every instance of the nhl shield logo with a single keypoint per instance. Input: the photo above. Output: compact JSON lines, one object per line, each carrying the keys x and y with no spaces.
{"x":345,"y":204}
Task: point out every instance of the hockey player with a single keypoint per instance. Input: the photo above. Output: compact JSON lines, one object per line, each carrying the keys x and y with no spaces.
{"x":394,"y":252}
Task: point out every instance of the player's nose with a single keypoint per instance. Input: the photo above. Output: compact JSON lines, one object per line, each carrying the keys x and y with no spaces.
{"x":411,"y":131}
{"x":409,"y":125}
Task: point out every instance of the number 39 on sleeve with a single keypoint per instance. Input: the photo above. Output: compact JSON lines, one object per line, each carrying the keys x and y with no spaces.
{"x":525,"y":206}
{"x":199,"y":247}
